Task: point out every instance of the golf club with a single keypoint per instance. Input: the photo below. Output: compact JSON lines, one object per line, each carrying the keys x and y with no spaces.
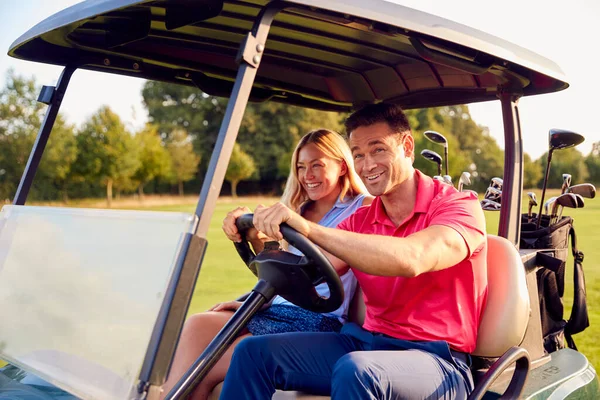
{"x":436,"y":137}
{"x":490,"y":205}
{"x":564,"y":200}
{"x":433,"y":157}
{"x":548,"y":205}
{"x":580,"y":204}
{"x":493,"y":194}
{"x":465,"y":179}
{"x":448,"y":179}
{"x":532,"y":203}
{"x":566,"y":183}
{"x":558,"y":139}
{"x":438,"y":178}
{"x":586,"y":190}
{"x":497,"y":183}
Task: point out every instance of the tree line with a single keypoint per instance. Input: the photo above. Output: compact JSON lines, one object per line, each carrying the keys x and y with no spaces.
{"x":171,"y":153}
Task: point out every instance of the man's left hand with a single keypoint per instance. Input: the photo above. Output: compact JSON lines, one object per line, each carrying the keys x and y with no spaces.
{"x":268,"y":219}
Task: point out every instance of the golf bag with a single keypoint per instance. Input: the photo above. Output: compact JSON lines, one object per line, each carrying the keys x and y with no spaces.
{"x":557,"y":331}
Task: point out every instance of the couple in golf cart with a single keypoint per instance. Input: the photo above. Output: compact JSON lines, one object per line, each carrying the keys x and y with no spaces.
{"x":419,"y":255}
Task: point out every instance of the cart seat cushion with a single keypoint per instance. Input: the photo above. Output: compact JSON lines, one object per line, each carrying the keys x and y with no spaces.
{"x":506,"y":312}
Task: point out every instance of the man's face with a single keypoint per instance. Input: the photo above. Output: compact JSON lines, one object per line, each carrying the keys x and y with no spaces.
{"x":381,"y":158}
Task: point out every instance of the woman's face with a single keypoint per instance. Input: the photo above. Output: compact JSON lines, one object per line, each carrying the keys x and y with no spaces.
{"x":318,"y":174}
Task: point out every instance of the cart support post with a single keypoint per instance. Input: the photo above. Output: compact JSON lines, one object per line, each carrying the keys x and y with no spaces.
{"x":249,"y":56}
{"x":510,"y":212}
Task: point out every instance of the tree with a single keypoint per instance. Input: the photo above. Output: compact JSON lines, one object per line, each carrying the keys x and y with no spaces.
{"x":154,"y":160}
{"x":592,"y":162}
{"x":532,"y":172}
{"x":184,"y":162}
{"x":471,"y":148}
{"x":20,"y":120}
{"x":241,"y":166}
{"x":567,"y":161}
{"x":107,"y":152}
{"x":269,"y":130}
{"x":172,"y":107}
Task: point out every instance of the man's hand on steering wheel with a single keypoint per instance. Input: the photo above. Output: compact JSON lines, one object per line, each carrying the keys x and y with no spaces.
{"x":268,"y":219}
{"x":291,"y":276}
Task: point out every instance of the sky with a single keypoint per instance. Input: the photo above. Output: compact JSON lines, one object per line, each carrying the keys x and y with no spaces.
{"x":564,"y":32}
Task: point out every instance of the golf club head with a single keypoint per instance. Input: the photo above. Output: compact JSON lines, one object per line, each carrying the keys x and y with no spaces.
{"x":490,"y":205}
{"x":580,"y":200}
{"x":586,"y":190}
{"x":496,"y":183}
{"x":563,"y":139}
{"x":566,"y":183}
{"x":436,"y":137}
{"x":448,"y":179}
{"x":465,"y":179}
{"x":493,"y":194}
{"x":532,"y":198}
{"x":558,"y":139}
{"x":565,"y":200}
{"x":568,"y":200}
{"x":433,"y":157}
{"x":438,"y":178}
{"x":532,"y":203}
{"x":548,"y":205}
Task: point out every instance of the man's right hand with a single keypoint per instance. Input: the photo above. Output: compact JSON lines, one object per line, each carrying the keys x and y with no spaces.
{"x":231,"y":231}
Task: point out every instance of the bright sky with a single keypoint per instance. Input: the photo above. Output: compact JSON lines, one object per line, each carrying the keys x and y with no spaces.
{"x":556,"y":29}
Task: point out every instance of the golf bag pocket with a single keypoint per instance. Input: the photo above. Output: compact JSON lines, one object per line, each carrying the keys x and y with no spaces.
{"x":554,"y":238}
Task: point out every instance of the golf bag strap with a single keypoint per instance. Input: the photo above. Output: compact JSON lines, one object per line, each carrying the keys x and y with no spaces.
{"x":578,"y":320}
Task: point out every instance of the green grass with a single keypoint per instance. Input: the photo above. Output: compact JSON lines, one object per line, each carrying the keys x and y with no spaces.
{"x":224,"y":276}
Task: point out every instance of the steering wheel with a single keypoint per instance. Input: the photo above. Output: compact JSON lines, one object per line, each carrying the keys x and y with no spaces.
{"x":293,"y":277}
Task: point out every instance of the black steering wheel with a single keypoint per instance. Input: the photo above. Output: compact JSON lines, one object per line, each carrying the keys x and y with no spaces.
{"x":293,"y":277}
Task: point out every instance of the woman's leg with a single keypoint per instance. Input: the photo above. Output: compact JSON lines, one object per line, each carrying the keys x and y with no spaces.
{"x":197,"y":333}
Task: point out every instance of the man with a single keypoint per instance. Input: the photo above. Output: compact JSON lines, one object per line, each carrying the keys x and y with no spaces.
{"x":419,"y":254}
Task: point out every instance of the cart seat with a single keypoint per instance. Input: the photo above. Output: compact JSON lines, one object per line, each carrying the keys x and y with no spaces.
{"x":81,"y":291}
{"x":504,"y":318}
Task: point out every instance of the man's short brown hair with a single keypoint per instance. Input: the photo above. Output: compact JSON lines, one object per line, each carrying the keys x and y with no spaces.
{"x":382,"y":112}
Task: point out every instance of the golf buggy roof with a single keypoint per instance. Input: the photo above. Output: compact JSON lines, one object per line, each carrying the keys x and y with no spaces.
{"x":330,"y":55}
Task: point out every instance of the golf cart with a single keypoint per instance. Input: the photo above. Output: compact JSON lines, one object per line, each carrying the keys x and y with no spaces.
{"x":97,"y":309}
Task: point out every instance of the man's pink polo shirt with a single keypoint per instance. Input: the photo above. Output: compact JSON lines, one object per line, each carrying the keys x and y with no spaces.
{"x":440,"y":305}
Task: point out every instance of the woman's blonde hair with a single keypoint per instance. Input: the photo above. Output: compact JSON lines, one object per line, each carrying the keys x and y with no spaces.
{"x":333,"y":146}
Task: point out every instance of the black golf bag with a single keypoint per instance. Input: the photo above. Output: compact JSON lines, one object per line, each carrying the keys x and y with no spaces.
{"x":557,"y":331}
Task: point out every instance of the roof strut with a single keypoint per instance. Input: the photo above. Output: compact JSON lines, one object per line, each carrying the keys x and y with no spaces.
{"x":510,"y":212}
{"x":249,"y":57}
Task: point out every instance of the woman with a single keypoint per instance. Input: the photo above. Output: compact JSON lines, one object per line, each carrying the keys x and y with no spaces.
{"x":324,"y":188}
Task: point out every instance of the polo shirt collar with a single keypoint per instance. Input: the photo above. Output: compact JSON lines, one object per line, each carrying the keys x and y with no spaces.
{"x":425,"y":194}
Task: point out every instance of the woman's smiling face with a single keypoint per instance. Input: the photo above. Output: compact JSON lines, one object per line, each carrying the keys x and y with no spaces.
{"x":318,"y":174}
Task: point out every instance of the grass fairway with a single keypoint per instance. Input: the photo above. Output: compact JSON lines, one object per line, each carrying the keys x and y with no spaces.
{"x":224,"y":276}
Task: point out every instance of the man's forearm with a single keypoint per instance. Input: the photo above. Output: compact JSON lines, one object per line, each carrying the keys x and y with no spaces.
{"x":435,"y":248}
{"x":372,"y":254}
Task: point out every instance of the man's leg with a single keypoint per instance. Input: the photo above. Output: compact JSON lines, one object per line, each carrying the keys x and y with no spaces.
{"x":402,"y":374}
{"x":289,"y":361}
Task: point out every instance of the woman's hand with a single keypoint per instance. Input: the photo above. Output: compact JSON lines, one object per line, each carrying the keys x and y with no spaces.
{"x":231,"y":231}
{"x":226,"y":306}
